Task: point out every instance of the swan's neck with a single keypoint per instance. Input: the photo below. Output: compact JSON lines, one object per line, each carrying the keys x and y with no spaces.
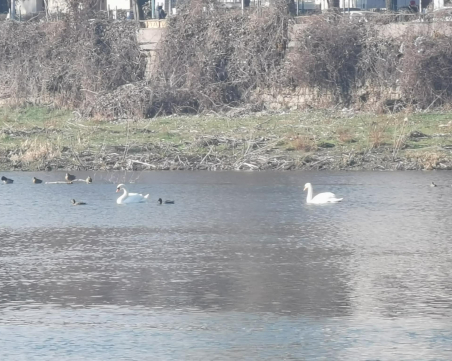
{"x":125,"y":194}
{"x":309,"y":197}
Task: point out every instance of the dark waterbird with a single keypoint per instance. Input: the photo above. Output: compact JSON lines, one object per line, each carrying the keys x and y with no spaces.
{"x":77,"y":203}
{"x":69,"y":177}
{"x":36,"y":180}
{"x":166,"y":202}
{"x":7,"y":180}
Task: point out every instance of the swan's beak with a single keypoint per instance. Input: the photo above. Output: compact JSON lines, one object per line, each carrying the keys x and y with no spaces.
{"x":304,"y":189}
{"x":118,"y":189}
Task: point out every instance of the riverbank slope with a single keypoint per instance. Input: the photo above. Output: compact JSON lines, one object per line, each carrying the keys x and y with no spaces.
{"x":40,"y":138}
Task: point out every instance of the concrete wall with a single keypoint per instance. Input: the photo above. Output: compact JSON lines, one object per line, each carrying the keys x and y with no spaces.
{"x":415,"y":28}
{"x":304,"y":97}
{"x":26,"y":7}
{"x":149,"y":39}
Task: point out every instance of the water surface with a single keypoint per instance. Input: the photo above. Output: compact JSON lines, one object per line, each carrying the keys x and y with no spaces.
{"x":239,"y":268}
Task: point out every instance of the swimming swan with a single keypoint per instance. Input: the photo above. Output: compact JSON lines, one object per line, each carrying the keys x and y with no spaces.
{"x":320,"y":198}
{"x":130,"y":197}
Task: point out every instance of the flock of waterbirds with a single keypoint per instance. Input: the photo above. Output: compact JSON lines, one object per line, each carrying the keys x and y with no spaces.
{"x":125,"y":198}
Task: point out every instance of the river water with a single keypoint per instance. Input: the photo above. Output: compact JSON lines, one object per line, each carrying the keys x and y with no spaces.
{"x":239,"y":268}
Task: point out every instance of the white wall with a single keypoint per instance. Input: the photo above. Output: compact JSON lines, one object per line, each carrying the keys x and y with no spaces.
{"x":349,"y":3}
{"x":57,"y":5}
{"x":119,"y":4}
{"x":375,"y":4}
{"x":29,"y":7}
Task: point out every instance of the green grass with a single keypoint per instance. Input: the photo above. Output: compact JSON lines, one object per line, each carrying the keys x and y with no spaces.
{"x":298,"y":133}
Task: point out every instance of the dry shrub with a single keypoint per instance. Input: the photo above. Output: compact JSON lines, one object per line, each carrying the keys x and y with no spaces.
{"x":215,"y":59}
{"x":67,"y":65}
{"x":210,"y":59}
{"x":341,"y":57}
{"x":428,"y":159}
{"x":427,"y":70}
{"x":305,"y":142}
{"x":344,"y":135}
{"x":379,"y":59}
{"x":327,"y":55}
{"x":133,"y":100}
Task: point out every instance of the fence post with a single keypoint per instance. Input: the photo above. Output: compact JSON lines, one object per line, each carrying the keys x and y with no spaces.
{"x":13,"y":10}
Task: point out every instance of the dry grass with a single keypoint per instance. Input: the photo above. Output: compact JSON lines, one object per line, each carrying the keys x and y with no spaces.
{"x":377,"y":135}
{"x":36,"y":137}
{"x":429,"y":159}
{"x":401,"y":134}
{"x":38,"y":150}
{"x":344,"y":135}
{"x":304,"y":142}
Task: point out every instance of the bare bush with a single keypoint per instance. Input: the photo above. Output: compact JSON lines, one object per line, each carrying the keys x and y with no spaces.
{"x":427,"y":70}
{"x":210,"y":59}
{"x":67,"y":65}
{"x":379,"y":59}
{"x":327,"y":55}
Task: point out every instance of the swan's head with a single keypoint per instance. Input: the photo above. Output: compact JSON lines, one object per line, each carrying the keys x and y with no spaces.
{"x":307,"y":186}
{"x":118,"y":188}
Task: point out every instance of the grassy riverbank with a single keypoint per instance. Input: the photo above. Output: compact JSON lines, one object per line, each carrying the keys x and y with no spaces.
{"x":38,"y":138}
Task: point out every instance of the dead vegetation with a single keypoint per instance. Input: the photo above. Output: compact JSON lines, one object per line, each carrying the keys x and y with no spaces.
{"x":213,"y":60}
{"x":427,"y":70}
{"x":344,"y":135}
{"x":356,"y":62}
{"x":327,"y":55}
{"x":45,"y":139}
{"x":216,"y":60}
{"x":69,"y":66}
{"x":377,"y":135}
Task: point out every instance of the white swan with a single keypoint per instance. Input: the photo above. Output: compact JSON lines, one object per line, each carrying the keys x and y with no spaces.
{"x":130,"y":197}
{"x":320,"y":198}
